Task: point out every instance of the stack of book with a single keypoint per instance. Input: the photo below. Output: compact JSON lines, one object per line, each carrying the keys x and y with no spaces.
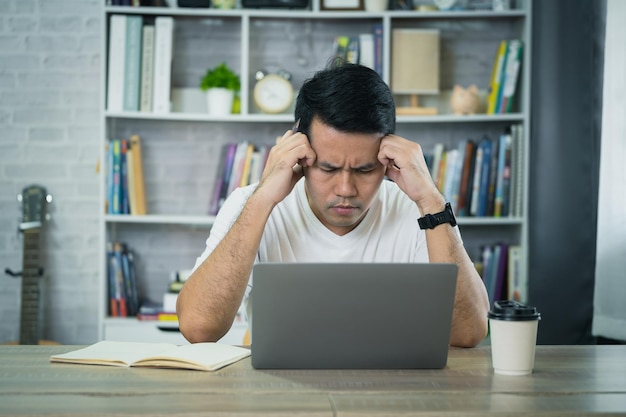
{"x":125,"y":180}
{"x":240,"y":164}
{"x":139,"y":63}
{"x":364,"y":49}
{"x":504,"y":77}
{"x":499,"y":266}
{"x":123,"y":294}
{"x":481,"y":178}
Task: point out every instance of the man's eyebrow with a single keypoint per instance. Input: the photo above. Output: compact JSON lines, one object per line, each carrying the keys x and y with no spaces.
{"x":365,"y":166}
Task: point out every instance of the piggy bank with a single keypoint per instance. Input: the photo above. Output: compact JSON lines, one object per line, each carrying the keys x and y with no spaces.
{"x":464,"y":100}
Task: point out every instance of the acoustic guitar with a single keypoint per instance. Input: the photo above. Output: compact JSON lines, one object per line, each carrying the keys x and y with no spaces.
{"x":34,"y":199}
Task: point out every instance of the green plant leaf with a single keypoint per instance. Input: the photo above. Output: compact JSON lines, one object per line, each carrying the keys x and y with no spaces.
{"x":220,"y":77}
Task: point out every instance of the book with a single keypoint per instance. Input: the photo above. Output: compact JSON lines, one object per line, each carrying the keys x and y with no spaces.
{"x":496,"y":75}
{"x":476,"y":180}
{"x":517,"y":285}
{"x":124,"y":205}
{"x":163,"y":44}
{"x":499,"y":292}
{"x":214,"y":204}
{"x":503,"y":178}
{"x":378,"y":48}
{"x":340,"y":46}
{"x":116,"y":184}
{"x":147,"y":67}
{"x":138,"y":186}
{"x":247,"y":164}
{"x":493,"y":177}
{"x":517,"y":171}
{"x":485,"y":177}
{"x":435,"y":167}
{"x":132,"y":63}
{"x":352,"y":52}
{"x":197,"y":356}
{"x":115,"y":63}
{"x":366,"y":50}
{"x":511,"y":74}
{"x":465,"y":188}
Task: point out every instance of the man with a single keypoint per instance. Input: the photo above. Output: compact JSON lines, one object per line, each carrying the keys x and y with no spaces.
{"x":323,"y":197}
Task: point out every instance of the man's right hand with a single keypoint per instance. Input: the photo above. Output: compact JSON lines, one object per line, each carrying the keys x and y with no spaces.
{"x":283,"y":168}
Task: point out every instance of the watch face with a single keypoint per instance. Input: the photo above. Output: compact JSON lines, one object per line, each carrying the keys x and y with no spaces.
{"x":273,"y":94}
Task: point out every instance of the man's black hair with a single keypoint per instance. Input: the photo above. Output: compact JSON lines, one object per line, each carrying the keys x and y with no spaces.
{"x":349,"y":97}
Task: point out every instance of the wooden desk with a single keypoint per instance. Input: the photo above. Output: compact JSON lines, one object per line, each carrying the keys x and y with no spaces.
{"x":568,"y":380}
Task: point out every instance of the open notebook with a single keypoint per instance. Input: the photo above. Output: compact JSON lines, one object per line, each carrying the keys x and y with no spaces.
{"x":349,"y":316}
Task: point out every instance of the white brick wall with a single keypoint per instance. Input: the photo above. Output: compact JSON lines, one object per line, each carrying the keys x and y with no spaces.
{"x":50,"y":62}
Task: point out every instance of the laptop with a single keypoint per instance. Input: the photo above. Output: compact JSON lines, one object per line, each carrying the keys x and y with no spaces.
{"x":352,"y":316}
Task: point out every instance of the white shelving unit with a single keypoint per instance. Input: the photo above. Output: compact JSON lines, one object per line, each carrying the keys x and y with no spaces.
{"x":181,"y":150}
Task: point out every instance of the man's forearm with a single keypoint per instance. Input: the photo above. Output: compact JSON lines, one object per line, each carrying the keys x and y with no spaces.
{"x":469,"y":320}
{"x":210,"y":298}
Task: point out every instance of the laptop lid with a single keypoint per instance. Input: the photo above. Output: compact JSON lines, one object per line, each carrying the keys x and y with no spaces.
{"x":352,"y":316}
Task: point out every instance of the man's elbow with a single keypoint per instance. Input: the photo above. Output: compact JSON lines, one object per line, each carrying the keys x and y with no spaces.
{"x":196,"y":332}
{"x":469,"y":336}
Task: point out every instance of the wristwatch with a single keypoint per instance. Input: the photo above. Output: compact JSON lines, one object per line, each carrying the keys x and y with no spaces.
{"x":429,"y":221}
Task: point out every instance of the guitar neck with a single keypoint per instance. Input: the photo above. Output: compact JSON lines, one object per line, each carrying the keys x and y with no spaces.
{"x":29,"y":319}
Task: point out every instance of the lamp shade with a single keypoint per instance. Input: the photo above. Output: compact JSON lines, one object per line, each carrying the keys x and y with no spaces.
{"x":415,"y":61}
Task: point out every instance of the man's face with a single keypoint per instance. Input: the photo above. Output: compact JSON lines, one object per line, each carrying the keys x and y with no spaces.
{"x":345,"y":178}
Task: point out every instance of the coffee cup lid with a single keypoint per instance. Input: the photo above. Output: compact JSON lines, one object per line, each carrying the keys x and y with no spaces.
{"x":513,"y":311}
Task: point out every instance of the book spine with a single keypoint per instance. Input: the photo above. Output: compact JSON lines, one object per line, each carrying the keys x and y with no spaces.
{"x":124,"y":200}
{"x":378,"y":48}
{"x":228,"y":169}
{"x":237,"y":168}
{"x":115,"y":64}
{"x":493,"y":176}
{"x":352,"y":52}
{"x":478,"y":164}
{"x":502,"y":81}
{"x":366,"y":50}
{"x":111,"y":273}
{"x":245,"y":174}
{"x":219,"y":180}
{"x":507,"y":176}
{"x":518,"y":189}
{"x":109,"y":179}
{"x":456,"y":180}
{"x":164,"y":32}
{"x":138,"y":176}
{"x":517,"y":286}
{"x":500,"y":278}
{"x":496,"y":74}
{"x":485,"y":175}
{"x":465,"y":189}
{"x":451,"y":159}
{"x":132,"y":61}
{"x":120,"y":295}
{"x":512,"y":73}
{"x":117,"y":172}
{"x":147,"y":68}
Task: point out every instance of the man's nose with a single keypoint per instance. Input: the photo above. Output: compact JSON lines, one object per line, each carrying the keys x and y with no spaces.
{"x":346,"y":186}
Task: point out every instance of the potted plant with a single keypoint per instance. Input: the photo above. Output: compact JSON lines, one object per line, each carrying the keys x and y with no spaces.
{"x":220,"y":83}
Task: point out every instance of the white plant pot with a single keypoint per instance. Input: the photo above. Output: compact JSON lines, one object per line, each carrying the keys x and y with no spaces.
{"x":220,"y":101}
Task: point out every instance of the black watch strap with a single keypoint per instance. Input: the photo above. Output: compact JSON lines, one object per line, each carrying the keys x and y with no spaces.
{"x":429,"y":221}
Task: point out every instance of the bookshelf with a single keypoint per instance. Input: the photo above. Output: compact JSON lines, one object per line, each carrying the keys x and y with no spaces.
{"x":181,"y":148}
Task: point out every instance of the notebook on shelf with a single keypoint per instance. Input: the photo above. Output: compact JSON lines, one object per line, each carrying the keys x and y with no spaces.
{"x":352,"y":316}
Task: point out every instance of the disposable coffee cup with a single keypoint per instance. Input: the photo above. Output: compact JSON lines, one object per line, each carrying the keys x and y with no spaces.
{"x":513,"y":332}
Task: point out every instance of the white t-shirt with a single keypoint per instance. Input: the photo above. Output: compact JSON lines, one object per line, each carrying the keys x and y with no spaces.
{"x":389,"y":232}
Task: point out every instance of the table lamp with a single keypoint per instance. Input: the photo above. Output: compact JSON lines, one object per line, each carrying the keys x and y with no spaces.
{"x":415,"y":67}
